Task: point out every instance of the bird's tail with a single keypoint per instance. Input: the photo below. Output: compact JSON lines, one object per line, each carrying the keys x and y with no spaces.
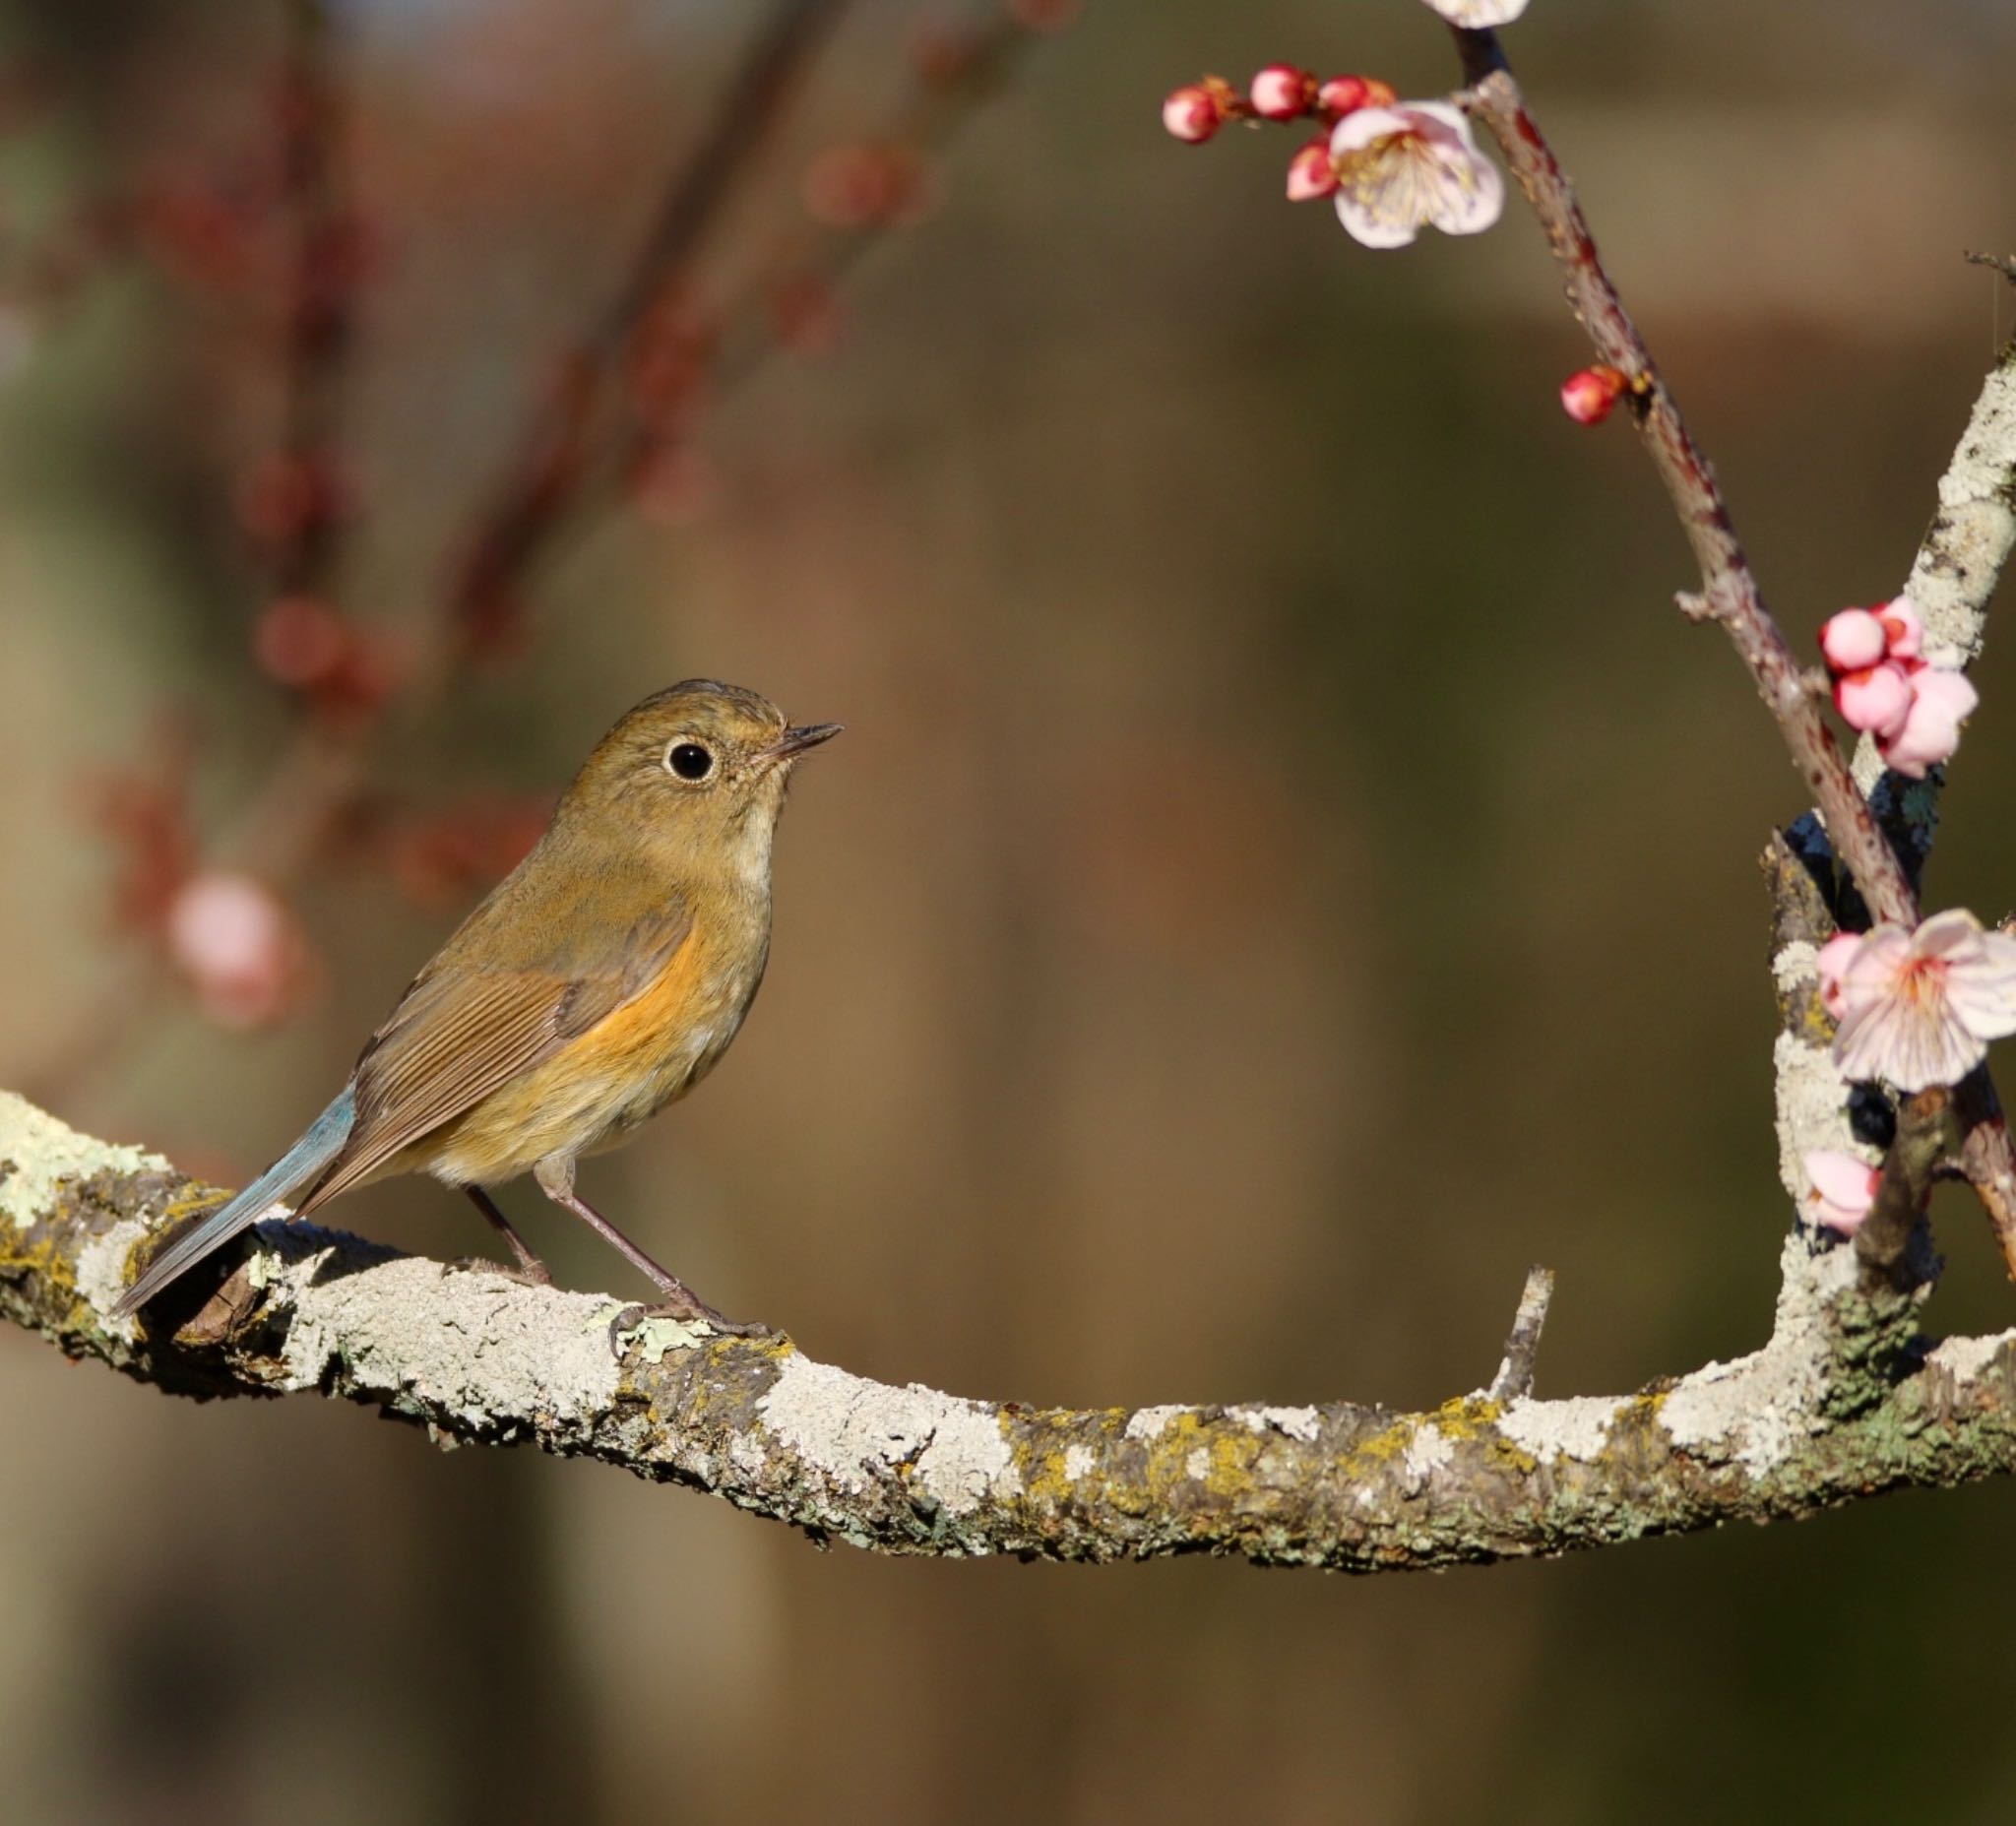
{"x":307,"y":1160}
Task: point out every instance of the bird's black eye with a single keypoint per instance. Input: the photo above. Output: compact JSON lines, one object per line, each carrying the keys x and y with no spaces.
{"x":689,"y":760}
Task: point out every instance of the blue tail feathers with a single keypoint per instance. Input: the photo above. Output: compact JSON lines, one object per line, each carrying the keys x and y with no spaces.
{"x":306,"y":1161}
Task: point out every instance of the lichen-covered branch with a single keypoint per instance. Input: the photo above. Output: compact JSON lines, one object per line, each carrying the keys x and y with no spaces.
{"x":1844,"y":1402}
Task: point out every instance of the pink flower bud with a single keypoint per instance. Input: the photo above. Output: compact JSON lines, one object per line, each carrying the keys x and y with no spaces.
{"x":1192,"y":115}
{"x":1311,"y":172}
{"x":1876,"y":699}
{"x":238,"y":946}
{"x":1280,"y":92}
{"x":1929,"y":732}
{"x":1588,"y":394}
{"x":1843,"y":1189}
{"x":1903,"y":626}
{"x":1346,"y":94}
{"x":1852,"y":641}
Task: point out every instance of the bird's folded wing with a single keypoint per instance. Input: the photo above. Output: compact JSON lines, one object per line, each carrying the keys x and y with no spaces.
{"x":461,"y":1033}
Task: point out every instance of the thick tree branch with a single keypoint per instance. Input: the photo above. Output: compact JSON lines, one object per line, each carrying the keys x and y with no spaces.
{"x":1845,"y":1401}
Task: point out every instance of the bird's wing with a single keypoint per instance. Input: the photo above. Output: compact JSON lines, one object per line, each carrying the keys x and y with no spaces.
{"x":463,"y":1031}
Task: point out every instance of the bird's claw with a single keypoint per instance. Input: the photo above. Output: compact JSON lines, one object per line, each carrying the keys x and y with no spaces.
{"x":686,"y":1311}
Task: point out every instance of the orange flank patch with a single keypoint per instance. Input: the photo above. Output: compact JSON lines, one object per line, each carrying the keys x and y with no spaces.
{"x":630,"y":1063}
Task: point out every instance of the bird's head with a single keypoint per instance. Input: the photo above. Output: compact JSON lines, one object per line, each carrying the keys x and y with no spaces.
{"x":698,"y":771}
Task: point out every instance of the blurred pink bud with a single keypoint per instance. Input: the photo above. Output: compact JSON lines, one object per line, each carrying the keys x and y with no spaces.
{"x":1830,"y":966}
{"x":1588,"y":394}
{"x":1310,"y":174}
{"x":1280,"y":92}
{"x":1412,"y":166}
{"x":868,"y":186}
{"x":300,"y":640}
{"x":1852,"y":640}
{"x":238,"y":945}
{"x":1876,"y":699}
{"x":1922,"y":1005}
{"x":1930,"y":733}
{"x":1903,"y":626}
{"x":1843,"y":1189}
{"x":1192,"y":115}
{"x":1044,"y":15}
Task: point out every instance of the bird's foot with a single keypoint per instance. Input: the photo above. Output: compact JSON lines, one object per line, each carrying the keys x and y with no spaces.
{"x":685,"y":1309}
{"x":531,"y":1274}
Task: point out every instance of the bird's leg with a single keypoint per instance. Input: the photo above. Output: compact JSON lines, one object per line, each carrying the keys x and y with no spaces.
{"x":557,"y":1181}
{"x":531,"y":1269}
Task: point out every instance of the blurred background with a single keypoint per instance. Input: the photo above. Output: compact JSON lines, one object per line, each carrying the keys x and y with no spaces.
{"x":1287,"y":868}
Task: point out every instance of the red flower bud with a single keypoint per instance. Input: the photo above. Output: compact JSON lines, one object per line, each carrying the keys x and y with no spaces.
{"x":1588,"y":394}
{"x":1192,"y":113}
{"x":1311,"y":172}
{"x":1280,"y":92}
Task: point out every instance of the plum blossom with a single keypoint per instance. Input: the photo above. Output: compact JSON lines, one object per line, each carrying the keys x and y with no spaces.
{"x":1402,"y":166}
{"x":1843,"y":1189}
{"x":1475,"y":14}
{"x":1919,"y":1007}
{"x":1941,"y":702}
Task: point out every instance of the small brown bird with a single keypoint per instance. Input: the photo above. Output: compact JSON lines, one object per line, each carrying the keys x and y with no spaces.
{"x":601,"y":979}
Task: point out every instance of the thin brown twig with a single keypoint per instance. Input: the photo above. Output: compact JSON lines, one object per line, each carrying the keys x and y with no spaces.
{"x":1729,"y":595}
{"x":1729,"y":591}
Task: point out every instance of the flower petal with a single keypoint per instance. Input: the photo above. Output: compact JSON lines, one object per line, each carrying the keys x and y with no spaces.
{"x":1476,"y":14}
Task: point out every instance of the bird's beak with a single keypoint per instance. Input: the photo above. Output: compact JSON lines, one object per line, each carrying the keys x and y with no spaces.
{"x":793,"y":743}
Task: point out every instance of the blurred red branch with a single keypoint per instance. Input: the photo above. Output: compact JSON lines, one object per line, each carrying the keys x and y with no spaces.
{"x":542,"y":476}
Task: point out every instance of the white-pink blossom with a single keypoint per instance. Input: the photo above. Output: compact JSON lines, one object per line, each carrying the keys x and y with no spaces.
{"x":1413,"y":163}
{"x":1852,"y":640}
{"x":1929,"y":730}
{"x":1479,"y":13}
{"x":1843,"y":1189}
{"x":1830,"y":965}
{"x":1875,"y":699}
{"x":1919,"y":1007}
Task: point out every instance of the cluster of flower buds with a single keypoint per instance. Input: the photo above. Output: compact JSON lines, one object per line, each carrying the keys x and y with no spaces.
{"x":1884,"y":686}
{"x":1390,"y":166}
{"x":1917,"y":1007}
